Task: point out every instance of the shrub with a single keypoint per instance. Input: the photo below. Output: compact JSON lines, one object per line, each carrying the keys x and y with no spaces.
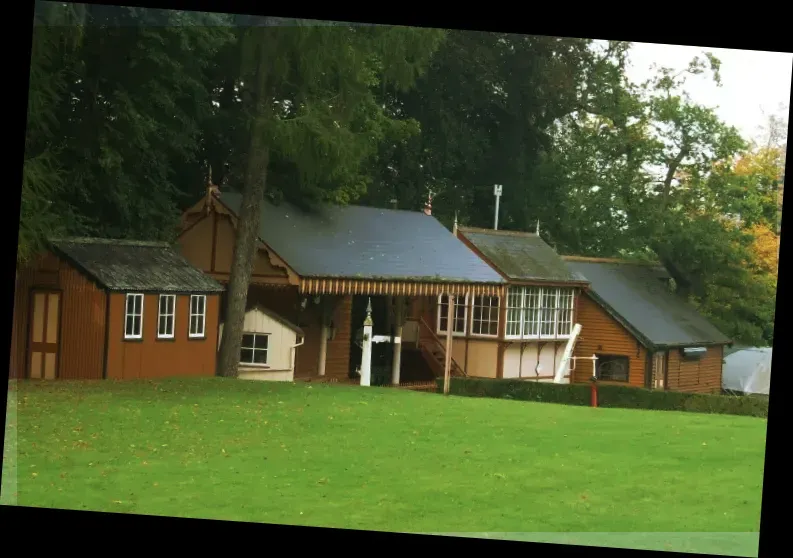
{"x":608,"y":396}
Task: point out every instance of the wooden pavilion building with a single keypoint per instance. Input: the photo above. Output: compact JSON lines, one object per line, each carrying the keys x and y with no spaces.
{"x":99,"y":308}
{"x":317,"y":269}
{"x":644,"y":334}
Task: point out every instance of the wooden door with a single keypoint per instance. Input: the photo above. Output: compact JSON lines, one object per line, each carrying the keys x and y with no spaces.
{"x":43,"y":337}
{"x":659,"y":370}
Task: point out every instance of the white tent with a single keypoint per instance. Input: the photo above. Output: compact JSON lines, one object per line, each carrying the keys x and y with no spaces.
{"x":748,"y":370}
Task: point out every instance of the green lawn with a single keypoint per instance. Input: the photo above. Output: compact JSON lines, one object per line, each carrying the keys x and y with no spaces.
{"x":379,"y":459}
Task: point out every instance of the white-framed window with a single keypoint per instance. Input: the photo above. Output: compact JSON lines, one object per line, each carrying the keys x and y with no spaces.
{"x":484,"y":316}
{"x":198,"y":315}
{"x":539,"y":312}
{"x":548,"y":306}
{"x":531,"y":312}
{"x":253,"y":350}
{"x":460,"y":314}
{"x":564,"y":319}
{"x":166,"y":316}
{"x":514,"y":311}
{"x":133,"y":316}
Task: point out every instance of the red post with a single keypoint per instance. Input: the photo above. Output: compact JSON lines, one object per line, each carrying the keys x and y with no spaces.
{"x":594,"y":392}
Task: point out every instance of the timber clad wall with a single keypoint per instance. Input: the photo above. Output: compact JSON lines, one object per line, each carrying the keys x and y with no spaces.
{"x":600,"y":333}
{"x":81,"y":320}
{"x":154,"y":358}
{"x":83,"y":315}
{"x":286,"y":303}
{"x":696,"y":376}
{"x":337,"y":360}
{"x":206,"y":243}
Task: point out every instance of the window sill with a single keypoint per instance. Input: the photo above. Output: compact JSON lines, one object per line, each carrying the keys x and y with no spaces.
{"x":255,"y":365}
{"x":196,"y":337}
{"x":538,"y":338}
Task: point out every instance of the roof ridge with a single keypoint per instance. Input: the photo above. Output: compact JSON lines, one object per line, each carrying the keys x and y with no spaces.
{"x":495,"y":231}
{"x":339,"y":205}
{"x":117,"y":241}
{"x":593,"y":259}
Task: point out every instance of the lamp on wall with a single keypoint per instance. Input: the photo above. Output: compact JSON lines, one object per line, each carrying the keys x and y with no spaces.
{"x":332,"y":331}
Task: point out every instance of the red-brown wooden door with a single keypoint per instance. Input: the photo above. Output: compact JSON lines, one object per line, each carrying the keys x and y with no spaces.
{"x":44,"y":333}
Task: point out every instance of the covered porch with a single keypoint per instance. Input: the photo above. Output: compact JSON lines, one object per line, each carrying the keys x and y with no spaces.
{"x":394,"y":316}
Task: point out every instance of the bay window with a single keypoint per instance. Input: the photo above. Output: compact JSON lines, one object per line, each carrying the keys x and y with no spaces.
{"x":539,"y":312}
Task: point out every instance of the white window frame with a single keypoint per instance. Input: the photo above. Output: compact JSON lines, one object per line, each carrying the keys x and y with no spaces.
{"x":490,"y":309}
{"x":165,"y":315}
{"x":133,"y":315}
{"x":539,"y":306}
{"x":569,"y":296}
{"x":549,"y":302}
{"x":515,"y":308}
{"x":253,"y":349}
{"x":202,"y":317}
{"x":457,"y":306}
{"x":532,"y":312}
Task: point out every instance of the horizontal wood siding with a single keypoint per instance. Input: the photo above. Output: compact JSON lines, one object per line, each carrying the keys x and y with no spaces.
{"x":83,"y":314}
{"x":286,"y":303}
{"x":337,"y":361}
{"x":696,"y":376}
{"x":602,"y":334}
{"x":153,"y":358}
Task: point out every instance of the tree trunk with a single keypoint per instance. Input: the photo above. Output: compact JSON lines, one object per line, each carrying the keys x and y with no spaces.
{"x":254,"y":186}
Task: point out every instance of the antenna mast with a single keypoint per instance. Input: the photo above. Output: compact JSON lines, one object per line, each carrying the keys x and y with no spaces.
{"x":497,"y":193}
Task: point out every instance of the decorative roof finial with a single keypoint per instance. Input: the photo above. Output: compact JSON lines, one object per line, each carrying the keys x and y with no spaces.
{"x":454,"y":230}
{"x":368,"y":321}
{"x":428,"y":206}
{"x":538,"y":227}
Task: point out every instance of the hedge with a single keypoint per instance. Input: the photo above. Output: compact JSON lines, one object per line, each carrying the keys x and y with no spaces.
{"x":608,"y":396}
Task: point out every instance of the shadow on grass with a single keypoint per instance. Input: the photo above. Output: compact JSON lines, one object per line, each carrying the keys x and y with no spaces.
{"x":726,"y":544}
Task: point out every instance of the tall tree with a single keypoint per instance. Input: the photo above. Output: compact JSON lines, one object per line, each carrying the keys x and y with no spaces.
{"x":58,"y":31}
{"x":112,"y":116}
{"x":309,"y":95}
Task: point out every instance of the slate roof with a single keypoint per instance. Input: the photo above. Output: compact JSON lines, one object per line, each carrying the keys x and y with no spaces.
{"x":637,"y":296}
{"x":356,"y":242}
{"x":129,"y":265}
{"x":521,"y":256}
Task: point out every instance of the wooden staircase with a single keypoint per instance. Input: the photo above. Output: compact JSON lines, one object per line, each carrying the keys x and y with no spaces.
{"x":433,"y":349}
